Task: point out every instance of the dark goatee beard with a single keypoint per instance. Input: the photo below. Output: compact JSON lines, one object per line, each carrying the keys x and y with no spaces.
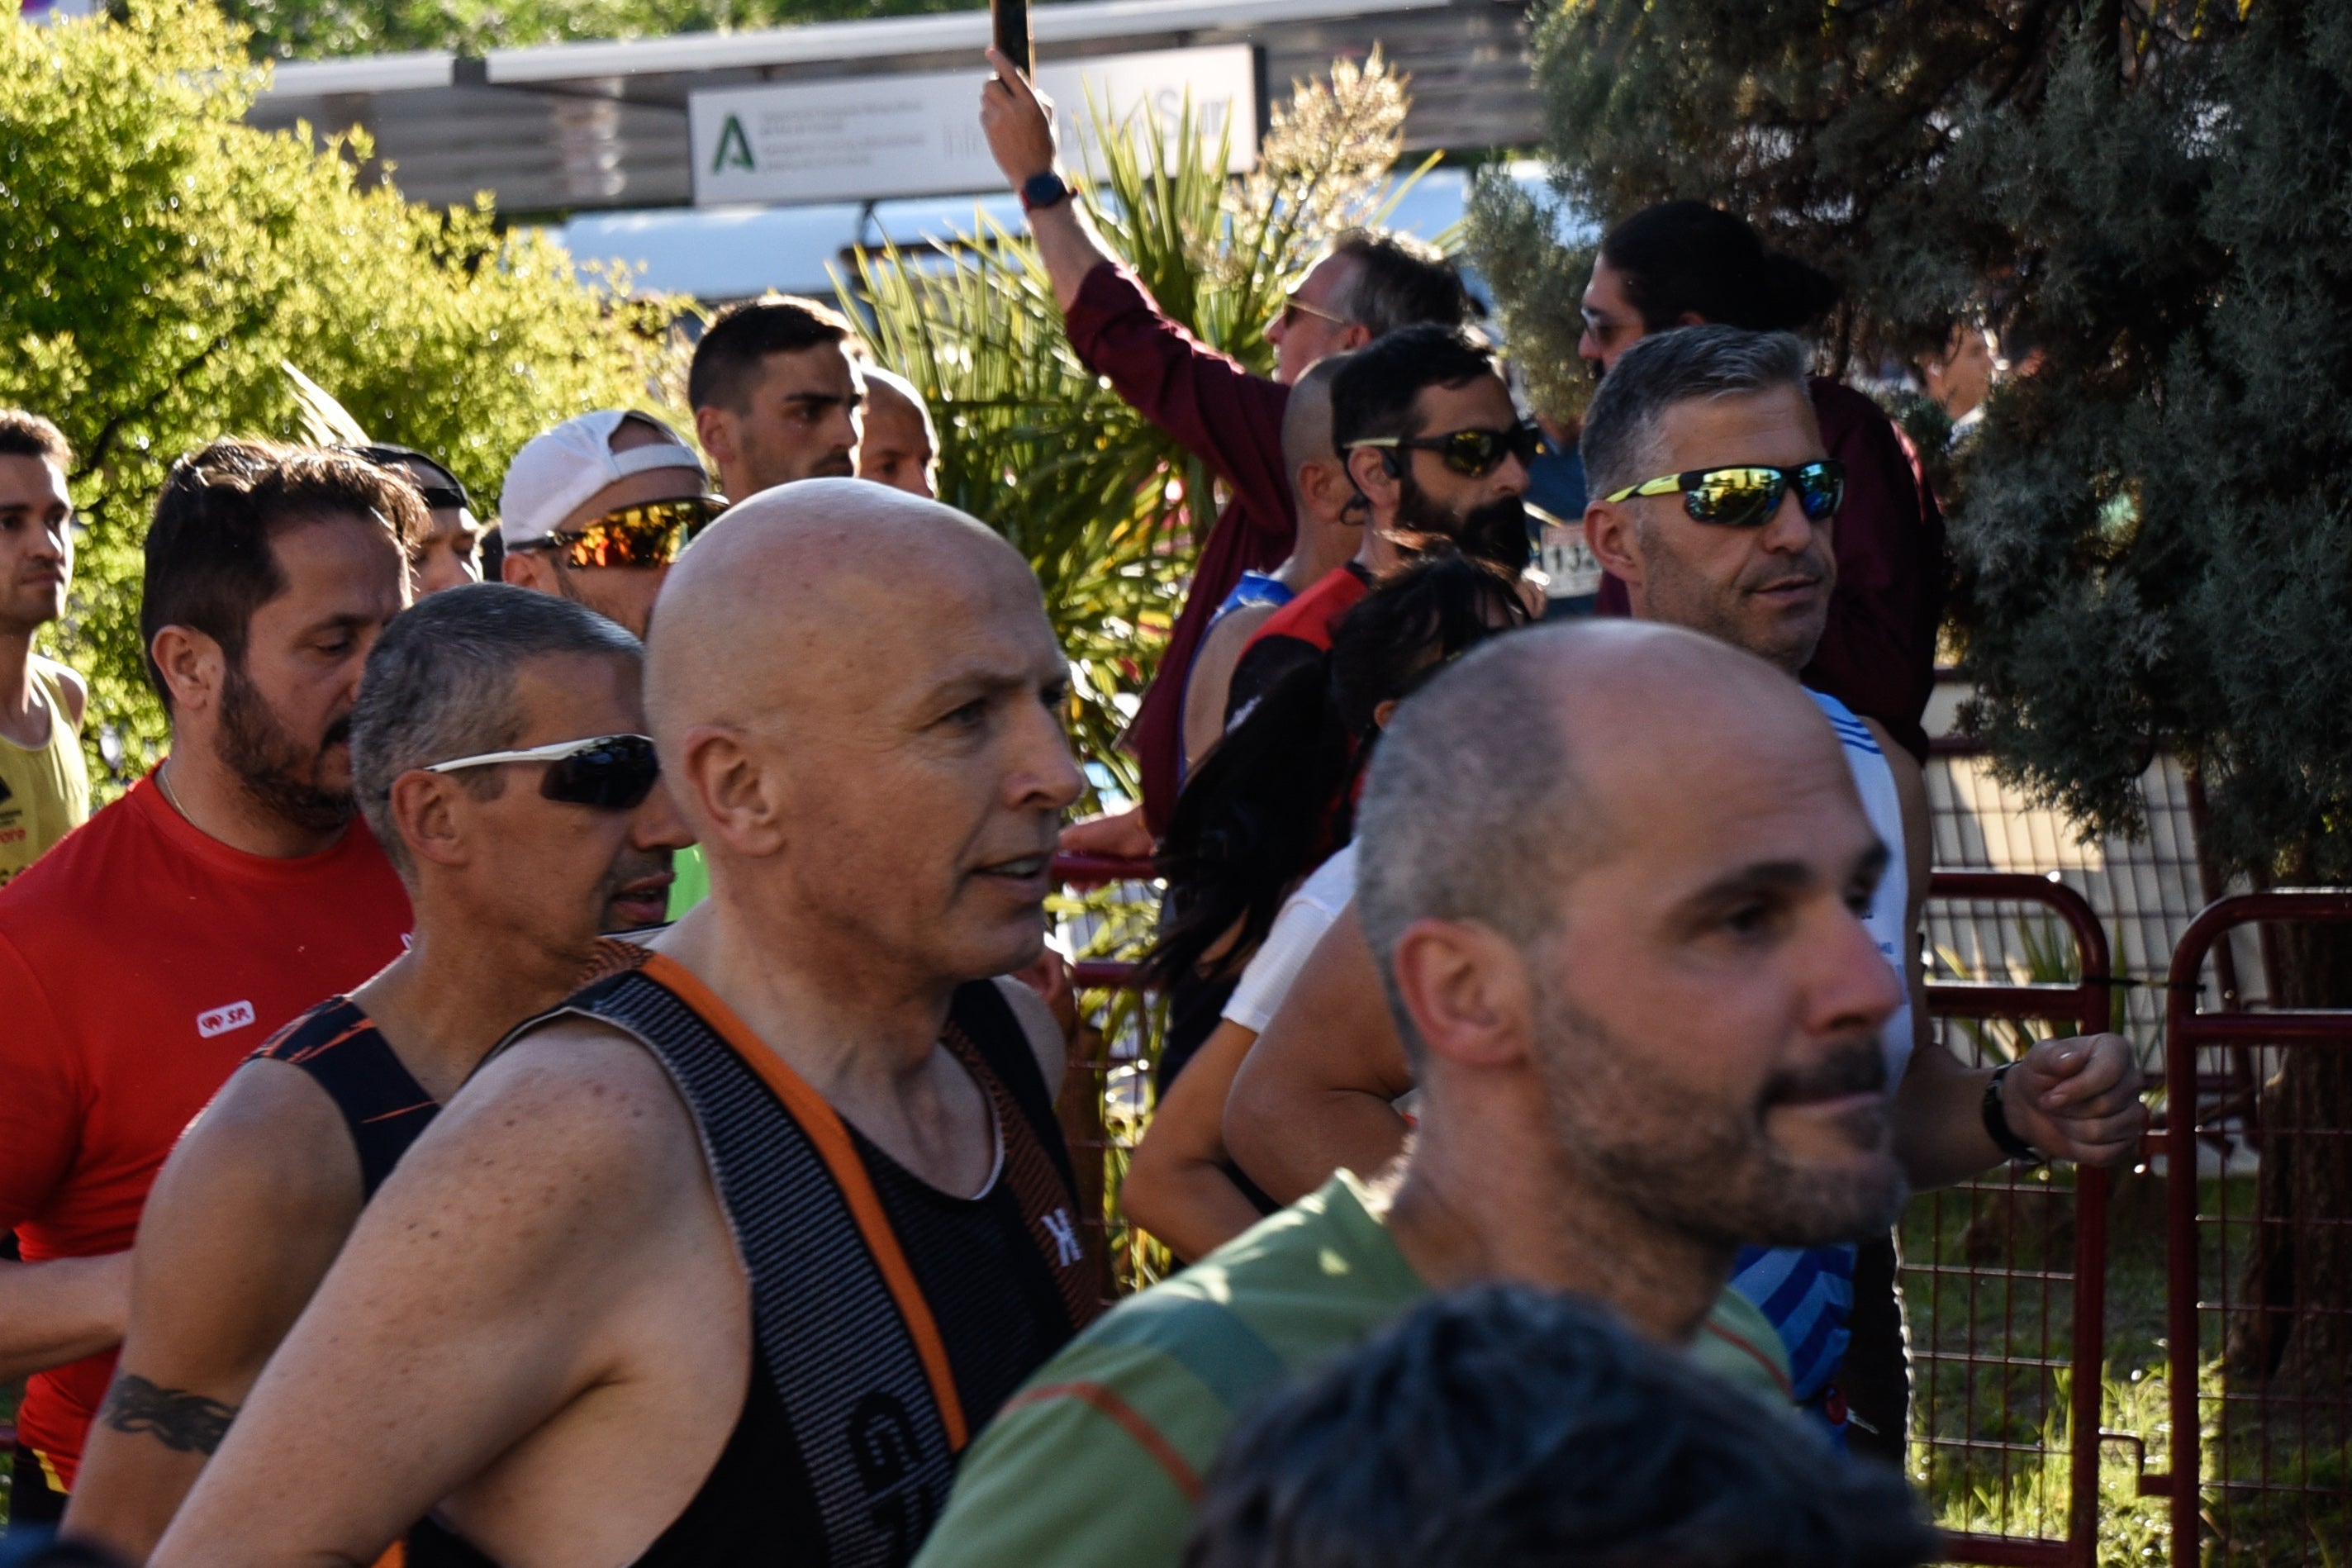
{"x":1496,"y":532}
{"x":271,"y":764}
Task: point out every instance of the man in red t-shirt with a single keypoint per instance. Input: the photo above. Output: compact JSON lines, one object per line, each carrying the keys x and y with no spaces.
{"x":1371,"y":282}
{"x":160,"y":943}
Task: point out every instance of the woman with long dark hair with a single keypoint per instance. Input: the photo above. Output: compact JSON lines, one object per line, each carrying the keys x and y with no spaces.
{"x":1259,"y":862}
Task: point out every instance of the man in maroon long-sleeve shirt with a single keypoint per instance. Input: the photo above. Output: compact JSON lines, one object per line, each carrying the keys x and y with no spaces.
{"x":1370,"y":283}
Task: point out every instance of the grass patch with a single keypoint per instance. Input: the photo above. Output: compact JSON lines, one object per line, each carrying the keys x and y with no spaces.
{"x":1990,"y":1297}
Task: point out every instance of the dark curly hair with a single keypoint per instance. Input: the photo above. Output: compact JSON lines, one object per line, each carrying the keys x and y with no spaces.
{"x":1510,"y":1428}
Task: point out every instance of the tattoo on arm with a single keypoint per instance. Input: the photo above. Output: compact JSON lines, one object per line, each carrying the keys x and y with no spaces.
{"x":184,"y":1422}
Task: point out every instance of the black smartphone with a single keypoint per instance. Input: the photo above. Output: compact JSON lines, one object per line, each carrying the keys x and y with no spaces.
{"x":1012,"y":19}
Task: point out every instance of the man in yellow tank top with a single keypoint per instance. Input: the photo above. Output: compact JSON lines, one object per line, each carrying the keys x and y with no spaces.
{"x":44,"y":786}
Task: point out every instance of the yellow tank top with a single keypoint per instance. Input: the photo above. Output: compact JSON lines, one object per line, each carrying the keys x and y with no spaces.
{"x":44,"y":789}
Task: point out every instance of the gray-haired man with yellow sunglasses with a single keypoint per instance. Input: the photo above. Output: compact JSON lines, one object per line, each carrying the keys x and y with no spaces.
{"x":596,"y":508}
{"x":1715,"y":503}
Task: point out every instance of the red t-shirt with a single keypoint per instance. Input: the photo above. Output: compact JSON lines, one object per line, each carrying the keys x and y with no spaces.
{"x":140,"y":963}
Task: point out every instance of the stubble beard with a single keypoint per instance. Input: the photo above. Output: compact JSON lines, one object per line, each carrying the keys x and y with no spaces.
{"x":271,"y":766}
{"x":1678,"y":596}
{"x":1706,"y":1174}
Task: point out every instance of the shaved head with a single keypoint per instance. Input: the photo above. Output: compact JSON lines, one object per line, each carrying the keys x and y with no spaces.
{"x":1504,"y":778}
{"x":1614,"y":875}
{"x":802,"y":580}
{"x":1307,"y":418}
{"x":856,"y":698}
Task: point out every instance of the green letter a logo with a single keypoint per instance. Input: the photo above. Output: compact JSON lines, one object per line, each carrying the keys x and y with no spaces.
{"x":734,"y":147}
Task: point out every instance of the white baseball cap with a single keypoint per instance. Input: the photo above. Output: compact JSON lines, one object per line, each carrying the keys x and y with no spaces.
{"x":557,"y":470}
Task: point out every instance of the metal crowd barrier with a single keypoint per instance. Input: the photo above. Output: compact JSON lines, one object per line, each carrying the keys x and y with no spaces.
{"x":2008,"y":1309}
{"x":2261,"y":1394}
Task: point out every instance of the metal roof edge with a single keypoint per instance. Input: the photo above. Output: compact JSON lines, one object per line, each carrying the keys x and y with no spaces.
{"x":814,"y":42}
{"x":364,"y":73}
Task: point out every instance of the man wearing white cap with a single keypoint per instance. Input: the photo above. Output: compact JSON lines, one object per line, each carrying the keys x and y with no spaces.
{"x":596,"y":508}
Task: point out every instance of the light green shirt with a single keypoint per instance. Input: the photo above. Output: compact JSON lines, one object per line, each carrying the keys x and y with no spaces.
{"x":1098,"y":1459}
{"x":691,"y":882}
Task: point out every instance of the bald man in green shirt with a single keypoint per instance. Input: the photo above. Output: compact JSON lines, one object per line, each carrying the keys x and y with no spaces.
{"x":1611,"y":875}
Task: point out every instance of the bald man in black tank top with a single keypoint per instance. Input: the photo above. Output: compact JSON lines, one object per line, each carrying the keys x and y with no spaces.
{"x":510,"y":889}
{"x":727,"y":1260}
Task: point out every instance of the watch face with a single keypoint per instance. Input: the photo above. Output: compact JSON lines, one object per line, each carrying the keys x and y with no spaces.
{"x":1042,"y":189}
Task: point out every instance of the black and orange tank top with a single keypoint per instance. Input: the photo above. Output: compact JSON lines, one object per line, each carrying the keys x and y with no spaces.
{"x":383,"y":1106}
{"x":890,"y":1321}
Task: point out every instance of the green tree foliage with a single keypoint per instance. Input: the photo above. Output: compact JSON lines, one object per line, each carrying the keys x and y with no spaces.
{"x":2159,"y":204}
{"x":165,"y":258}
{"x":313,"y":29}
{"x":1107,"y":507}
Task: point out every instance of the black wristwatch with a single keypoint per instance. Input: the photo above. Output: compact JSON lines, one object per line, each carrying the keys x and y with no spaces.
{"x":1996,"y":1121}
{"x":1043,"y":191}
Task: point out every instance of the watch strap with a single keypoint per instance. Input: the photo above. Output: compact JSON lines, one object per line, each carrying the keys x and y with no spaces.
{"x":1043,"y":190}
{"x":1996,"y":1121}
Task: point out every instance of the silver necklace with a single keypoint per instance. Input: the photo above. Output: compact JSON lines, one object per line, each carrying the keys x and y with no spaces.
{"x":163,"y":782}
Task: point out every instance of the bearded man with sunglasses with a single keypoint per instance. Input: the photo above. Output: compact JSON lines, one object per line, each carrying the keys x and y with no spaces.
{"x":1434,"y":445}
{"x":596,"y":508}
{"x":498,"y":751}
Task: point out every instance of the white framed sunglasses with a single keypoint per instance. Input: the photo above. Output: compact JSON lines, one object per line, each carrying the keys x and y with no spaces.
{"x":616,"y":771}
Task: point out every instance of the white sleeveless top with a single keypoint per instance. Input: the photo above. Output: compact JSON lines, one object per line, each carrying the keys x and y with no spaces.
{"x":1875,"y":780}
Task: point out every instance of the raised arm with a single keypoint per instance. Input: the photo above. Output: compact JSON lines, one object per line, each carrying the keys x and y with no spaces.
{"x":1314,"y":1095}
{"x":242,"y":1221}
{"x":1228,"y":417}
{"x":1019,"y":124}
{"x":493,"y":1282}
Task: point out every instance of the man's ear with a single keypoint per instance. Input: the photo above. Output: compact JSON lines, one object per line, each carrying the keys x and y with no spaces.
{"x":729,"y":792}
{"x":1469,"y":992}
{"x":1353,"y":336}
{"x":194,"y":668}
{"x":716,"y":431}
{"x":1609,"y":534}
{"x":1370,"y":474}
{"x":424,"y":816}
{"x":1324,"y":483}
{"x":532,"y":568}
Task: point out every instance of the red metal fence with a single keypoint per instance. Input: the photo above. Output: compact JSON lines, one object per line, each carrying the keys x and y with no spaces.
{"x":2004,"y":1279}
{"x":2260,"y":1359}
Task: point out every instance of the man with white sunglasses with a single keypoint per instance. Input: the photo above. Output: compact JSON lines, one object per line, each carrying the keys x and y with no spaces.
{"x":498,"y":754}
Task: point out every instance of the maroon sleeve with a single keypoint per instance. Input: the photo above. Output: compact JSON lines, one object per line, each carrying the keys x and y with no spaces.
{"x":1232,"y":421}
{"x":1227,"y":417}
{"x":1877,"y":654}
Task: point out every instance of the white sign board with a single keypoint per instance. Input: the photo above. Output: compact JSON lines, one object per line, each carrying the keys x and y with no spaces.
{"x":871,"y":138}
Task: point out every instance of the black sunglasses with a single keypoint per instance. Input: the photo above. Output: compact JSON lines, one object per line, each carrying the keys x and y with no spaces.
{"x":1474,"y":454}
{"x":613,"y":771}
